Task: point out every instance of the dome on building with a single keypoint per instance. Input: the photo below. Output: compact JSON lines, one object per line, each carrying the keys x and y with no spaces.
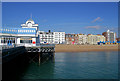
{"x":30,"y":21}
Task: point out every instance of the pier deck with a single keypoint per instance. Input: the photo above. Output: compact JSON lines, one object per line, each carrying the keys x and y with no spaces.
{"x":9,"y":53}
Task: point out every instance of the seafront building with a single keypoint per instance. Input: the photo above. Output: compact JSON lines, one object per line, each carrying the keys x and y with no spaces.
{"x":29,"y":35}
{"x":59,"y":37}
{"x":52,"y":37}
{"x":83,"y":39}
{"x":46,"y":37}
{"x":94,"y":39}
{"x":110,"y":36}
{"x":71,"y":38}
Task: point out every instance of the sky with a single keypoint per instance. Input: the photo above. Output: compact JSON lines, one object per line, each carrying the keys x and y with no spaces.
{"x":70,"y":17}
{"x":60,"y":0}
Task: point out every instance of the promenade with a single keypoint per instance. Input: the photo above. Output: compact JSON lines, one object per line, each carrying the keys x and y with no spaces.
{"x":85,"y":48}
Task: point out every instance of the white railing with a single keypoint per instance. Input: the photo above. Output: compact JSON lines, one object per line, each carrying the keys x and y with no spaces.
{"x":26,"y":45}
{"x":6,"y":46}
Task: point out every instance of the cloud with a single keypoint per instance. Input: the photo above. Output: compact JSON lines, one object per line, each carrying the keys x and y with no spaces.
{"x":93,"y":27}
{"x":97,"y":19}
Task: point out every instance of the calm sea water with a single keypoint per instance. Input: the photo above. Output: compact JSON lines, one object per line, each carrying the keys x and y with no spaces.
{"x":84,"y":65}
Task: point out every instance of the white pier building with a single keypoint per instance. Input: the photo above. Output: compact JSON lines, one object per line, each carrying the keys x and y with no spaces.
{"x":27,"y":35}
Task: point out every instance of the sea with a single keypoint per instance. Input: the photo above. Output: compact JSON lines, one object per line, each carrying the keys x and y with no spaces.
{"x":82,"y":65}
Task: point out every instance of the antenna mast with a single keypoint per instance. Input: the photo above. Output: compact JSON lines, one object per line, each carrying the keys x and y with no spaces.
{"x":31,"y":15}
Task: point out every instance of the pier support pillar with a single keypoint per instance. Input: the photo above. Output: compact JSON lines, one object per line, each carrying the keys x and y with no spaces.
{"x":39,"y":58}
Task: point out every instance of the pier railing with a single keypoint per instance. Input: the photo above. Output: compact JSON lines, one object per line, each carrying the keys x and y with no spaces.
{"x":6,"y":47}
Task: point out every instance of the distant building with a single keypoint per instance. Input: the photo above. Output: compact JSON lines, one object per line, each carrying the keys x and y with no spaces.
{"x":58,"y":37}
{"x":76,"y":39}
{"x":71,"y":38}
{"x":52,"y":37}
{"x":110,"y":36}
{"x":46,"y":37}
{"x":117,"y":39}
{"x":94,"y":39}
{"x":82,"y":39}
{"x":100,"y":38}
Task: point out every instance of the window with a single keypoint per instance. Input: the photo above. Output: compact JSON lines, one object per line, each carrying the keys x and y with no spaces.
{"x":3,"y":40}
{"x":25,"y":41}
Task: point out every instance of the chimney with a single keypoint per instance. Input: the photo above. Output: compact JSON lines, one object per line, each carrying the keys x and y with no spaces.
{"x":49,"y":31}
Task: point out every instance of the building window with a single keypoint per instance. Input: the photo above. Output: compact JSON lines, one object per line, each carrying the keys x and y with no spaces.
{"x":25,"y":41}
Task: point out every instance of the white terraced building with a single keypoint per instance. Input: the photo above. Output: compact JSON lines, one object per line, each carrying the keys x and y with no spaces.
{"x":52,"y":37}
{"x":59,"y":37}
{"x":94,"y":39}
{"x":46,"y":37}
{"x":82,"y":39}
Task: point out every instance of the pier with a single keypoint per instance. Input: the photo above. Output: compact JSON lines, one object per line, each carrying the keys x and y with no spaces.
{"x":15,"y":59}
{"x":11,"y":52}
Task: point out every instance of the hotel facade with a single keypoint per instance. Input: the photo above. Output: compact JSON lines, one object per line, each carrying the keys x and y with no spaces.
{"x":52,"y":37}
{"x":109,"y":36}
{"x":94,"y":39}
{"x":82,"y":39}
